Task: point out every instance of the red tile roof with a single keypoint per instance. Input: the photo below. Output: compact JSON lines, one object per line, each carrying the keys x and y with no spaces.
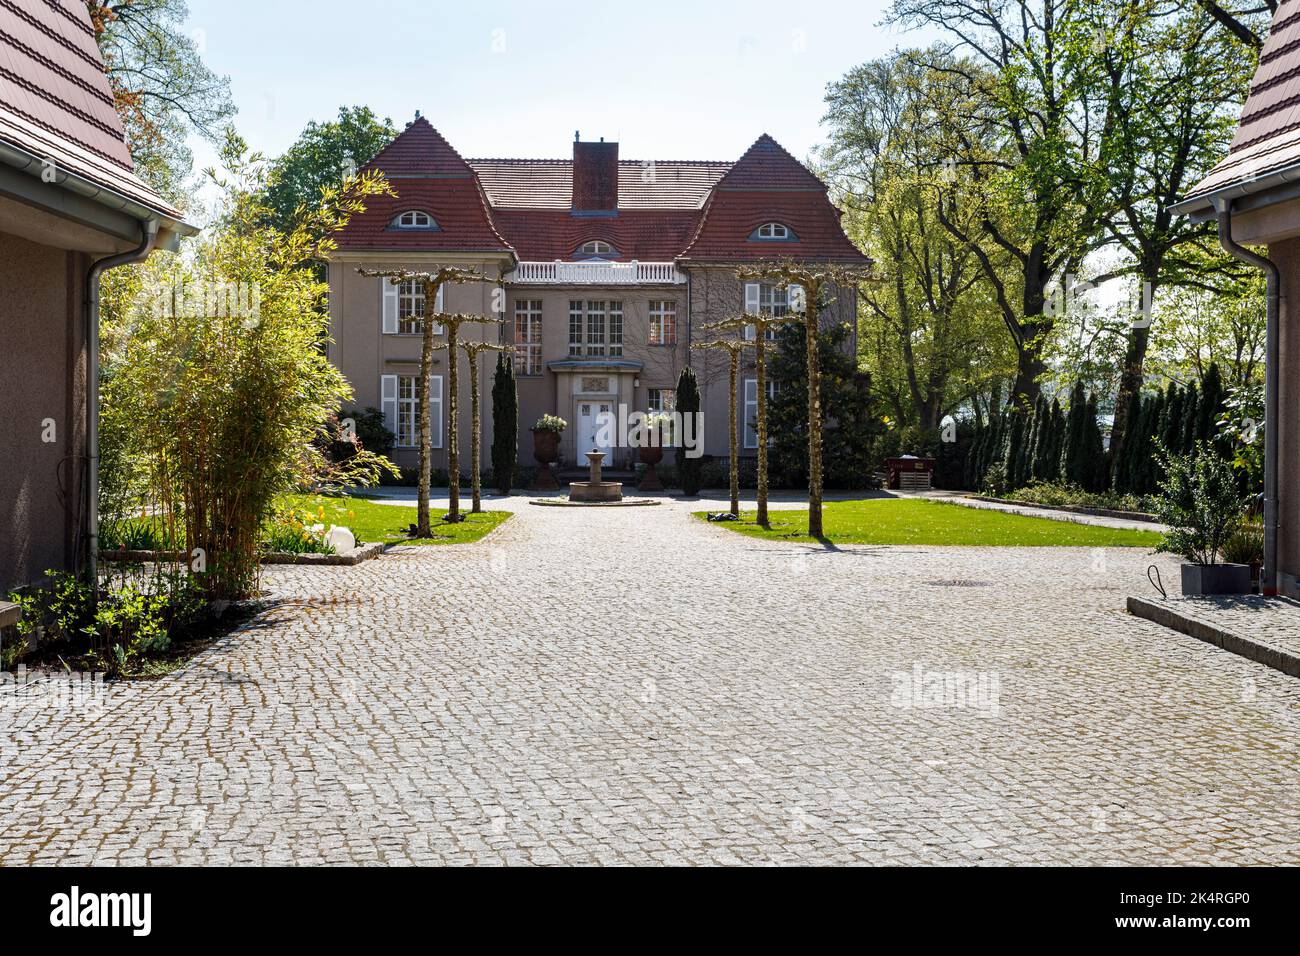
{"x":1268,"y":134}
{"x":666,"y":209}
{"x":767,"y":184}
{"x":650,"y":235}
{"x":429,"y":175}
{"x":55,"y":99}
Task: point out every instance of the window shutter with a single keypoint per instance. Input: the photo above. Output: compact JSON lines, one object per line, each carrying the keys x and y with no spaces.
{"x":751,"y":305}
{"x":437,"y":307}
{"x":388,"y":291}
{"x":388,"y":401}
{"x":435,"y":411}
{"x":751,"y":413}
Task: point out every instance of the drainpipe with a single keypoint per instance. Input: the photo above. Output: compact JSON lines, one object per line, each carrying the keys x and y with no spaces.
{"x":1223,"y":208}
{"x":149,"y":228}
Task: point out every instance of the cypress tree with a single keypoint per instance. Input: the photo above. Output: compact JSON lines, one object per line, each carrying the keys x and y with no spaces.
{"x":1094,"y":449}
{"x":1055,"y":443}
{"x":1013,"y":449}
{"x":1122,"y":475}
{"x":1074,"y":464}
{"x":505,"y":424}
{"x":1171,"y":419}
{"x":1212,"y":395}
{"x":689,"y":470}
{"x":1191,"y":418}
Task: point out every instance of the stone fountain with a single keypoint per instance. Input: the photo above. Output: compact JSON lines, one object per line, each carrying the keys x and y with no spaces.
{"x":594,"y":489}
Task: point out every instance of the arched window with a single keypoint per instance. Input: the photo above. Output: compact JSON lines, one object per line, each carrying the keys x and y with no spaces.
{"x":596,"y":248}
{"x":773,"y":231}
{"x":414,"y":219}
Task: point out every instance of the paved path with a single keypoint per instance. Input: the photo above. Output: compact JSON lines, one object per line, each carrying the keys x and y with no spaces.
{"x":633,"y":686}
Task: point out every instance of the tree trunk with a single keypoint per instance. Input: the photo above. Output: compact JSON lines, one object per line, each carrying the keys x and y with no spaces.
{"x":760,"y":353}
{"x":426,"y":367}
{"x":474,"y":440}
{"x":814,"y":417}
{"x":453,"y":449}
{"x":735,"y":450}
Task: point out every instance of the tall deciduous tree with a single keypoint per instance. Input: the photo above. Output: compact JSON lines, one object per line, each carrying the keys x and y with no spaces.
{"x":1038,"y":93}
{"x":322,"y":155}
{"x":162,"y":88}
{"x":1179,"y":82}
{"x":431,"y":282}
{"x":930,"y":329}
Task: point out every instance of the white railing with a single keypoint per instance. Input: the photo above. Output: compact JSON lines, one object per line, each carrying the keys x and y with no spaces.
{"x":596,"y":273}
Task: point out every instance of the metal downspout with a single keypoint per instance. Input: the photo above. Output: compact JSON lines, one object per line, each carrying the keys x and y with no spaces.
{"x":1223,"y":208}
{"x":149,"y":228}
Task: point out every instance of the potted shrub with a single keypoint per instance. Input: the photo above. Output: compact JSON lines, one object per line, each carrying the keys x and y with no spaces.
{"x":546,"y":449}
{"x":1203,"y":508}
{"x":651,"y":451}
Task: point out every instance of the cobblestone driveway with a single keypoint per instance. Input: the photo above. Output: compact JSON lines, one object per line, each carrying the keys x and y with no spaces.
{"x":631,"y":686}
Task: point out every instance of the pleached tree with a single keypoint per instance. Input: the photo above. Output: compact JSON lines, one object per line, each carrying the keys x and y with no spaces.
{"x":807,"y":284}
{"x":733,"y":348}
{"x":747,"y":324}
{"x":472,"y":352}
{"x":431,"y":283}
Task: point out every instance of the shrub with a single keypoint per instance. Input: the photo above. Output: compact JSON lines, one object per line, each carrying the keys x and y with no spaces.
{"x":1245,"y":545}
{"x":1200,"y":502}
{"x":222,"y":403}
{"x":134,"y":618}
{"x":995,"y":480}
{"x":371,"y":431}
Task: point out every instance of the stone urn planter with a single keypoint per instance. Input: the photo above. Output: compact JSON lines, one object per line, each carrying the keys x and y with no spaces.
{"x":650,"y":455}
{"x":1199,"y":579}
{"x":546,"y":449}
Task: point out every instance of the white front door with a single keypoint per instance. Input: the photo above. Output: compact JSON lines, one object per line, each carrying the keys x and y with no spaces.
{"x":591,"y":416}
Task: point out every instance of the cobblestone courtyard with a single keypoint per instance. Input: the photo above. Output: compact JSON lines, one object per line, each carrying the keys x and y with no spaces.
{"x":633,"y":686}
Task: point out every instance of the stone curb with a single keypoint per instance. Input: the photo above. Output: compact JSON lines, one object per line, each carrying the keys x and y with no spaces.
{"x":1073,"y":509}
{"x":564,"y":503}
{"x":1177,"y":620}
{"x":362,"y":552}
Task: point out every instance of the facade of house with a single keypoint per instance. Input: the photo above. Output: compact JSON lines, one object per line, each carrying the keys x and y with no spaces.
{"x":69,"y":202}
{"x":1254,"y":194}
{"x":604,"y":269}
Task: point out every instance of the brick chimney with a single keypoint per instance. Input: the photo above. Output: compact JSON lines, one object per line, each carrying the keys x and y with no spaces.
{"x":595,"y":177}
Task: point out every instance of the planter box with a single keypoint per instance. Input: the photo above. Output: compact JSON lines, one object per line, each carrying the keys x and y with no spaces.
{"x":1216,"y":579}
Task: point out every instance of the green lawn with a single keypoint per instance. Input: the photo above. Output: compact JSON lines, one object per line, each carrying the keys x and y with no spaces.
{"x":910,"y":521}
{"x":371,"y":521}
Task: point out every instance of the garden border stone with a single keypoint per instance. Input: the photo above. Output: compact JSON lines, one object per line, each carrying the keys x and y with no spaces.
{"x":362,"y":552}
{"x":1073,"y":509}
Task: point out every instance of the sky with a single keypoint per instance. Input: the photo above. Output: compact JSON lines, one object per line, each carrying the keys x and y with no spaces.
{"x":667,"y":80}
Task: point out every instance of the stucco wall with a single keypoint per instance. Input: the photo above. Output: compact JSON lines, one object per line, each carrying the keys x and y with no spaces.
{"x":364,"y":353}
{"x":42,"y":386}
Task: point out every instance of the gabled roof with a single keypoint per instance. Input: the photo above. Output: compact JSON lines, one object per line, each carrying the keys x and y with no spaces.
{"x":767,"y":184}
{"x":429,"y":175}
{"x":55,"y":100}
{"x":642,"y":184}
{"x":766,"y":165}
{"x":420,"y":150}
{"x":666,"y":209}
{"x":1268,"y":135}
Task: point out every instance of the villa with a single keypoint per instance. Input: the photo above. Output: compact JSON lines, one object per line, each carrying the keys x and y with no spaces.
{"x":604,"y":269}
